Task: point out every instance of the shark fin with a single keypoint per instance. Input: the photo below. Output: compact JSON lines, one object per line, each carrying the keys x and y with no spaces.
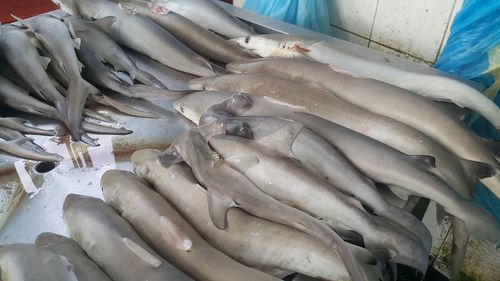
{"x":35,"y":42}
{"x":459,"y":247}
{"x":440,"y":214}
{"x":246,"y":160}
{"x":169,"y":157}
{"x":142,"y":253}
{"x":399,"y":192}
{"x":176,"y":235}
{"x":71,"y":30}
{"x":22,"y":22}
{"x":477,"y":170}
{"x":494,"y":146}
{"x":425,"y":161}
{"x":77,"y":42}
{"x":218,"y":206}
{"x":45,"y":62}
{"x":282,"y":139}
{"x":105,"y":23}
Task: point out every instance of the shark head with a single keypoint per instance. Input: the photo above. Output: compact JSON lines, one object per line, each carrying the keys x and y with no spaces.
{"x":273,"y":46}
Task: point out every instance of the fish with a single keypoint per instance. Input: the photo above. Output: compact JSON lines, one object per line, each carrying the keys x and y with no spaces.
{"x":228,"y":189}
{"x":104,"y":130}
{"x":130,"y":106}
{"x":84,"y":268}
{"x":268,"y":162}
{"x":207,"y":14}
{"x":18,"y":98}
{"x":16,"y":147}
{"x":112,"y":243}
{"x":99,"y":74}
{"x":421,"y":80}
{"x":141,"y":34}
{"x":272,"y":247}
{"x":23,"y":56}
{"x":369,"y":156}
{"x":167,"y":231}
{"x":311,"y":98}
{"x":20,"y":262}
{"x":9,"y":134}
{"x":323,"y":159}
{"x":107,"y":50}
{"x":385,"y":99}
{"x":173,"y":79}
{"x":19,"y":124}
{"x":57,"y":39}
{"x":189,"y":33}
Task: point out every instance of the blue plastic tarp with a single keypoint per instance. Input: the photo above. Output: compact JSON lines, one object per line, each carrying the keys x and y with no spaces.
{"x":473,"y":52}
{"x":311,"y":14}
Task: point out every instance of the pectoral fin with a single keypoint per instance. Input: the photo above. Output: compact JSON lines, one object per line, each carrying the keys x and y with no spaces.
{"x":169,"y":157}
{"x":142,"y":253}
{"x":45,"y":62}
{"x":218,"y":206}
{"x":282,"y":139}
{"x":105,"y":23}
{"x":176,"y":235}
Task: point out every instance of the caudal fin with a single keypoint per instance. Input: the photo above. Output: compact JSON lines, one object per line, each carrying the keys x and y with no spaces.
{"x":78,"y":93}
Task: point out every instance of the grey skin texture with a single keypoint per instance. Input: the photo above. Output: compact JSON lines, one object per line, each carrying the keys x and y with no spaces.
{"x":209,"y":15}
{"x":320,"y":157}
{"x":9,"y":134}
{"x":22,"y":262}
{"x":384,"y":99}
{"x":268,"y":164}
{"x":19,"y":124}
{"x":256,"y":242}
{"x":107,"y":50}
{"x":419,"y":79}
{"x":113,"y":244}
{"x":174,"y":80}
{"x":99,"y":74}
{"x":85,"y":269}
{"x":166,"y":230}
{"x":18,"y":147}
{"x":374,"y":159}
{"x":18,"y":98}
{"x":191,"y":34}
{"x":323,"y":103}
{"x":141,"y":34}
{"x":22,"y":55}
{"x":55,"y":37}
{"x":228,"y":189}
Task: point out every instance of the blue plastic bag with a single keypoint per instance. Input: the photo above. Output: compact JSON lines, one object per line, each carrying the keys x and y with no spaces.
{"x":473,"y":52}
{"x":311,"y":14}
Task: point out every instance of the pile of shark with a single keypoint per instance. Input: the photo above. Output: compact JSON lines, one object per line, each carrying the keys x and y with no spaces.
{"x":300,"y":158}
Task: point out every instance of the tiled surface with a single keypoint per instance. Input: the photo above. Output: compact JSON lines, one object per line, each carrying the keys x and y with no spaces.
{"x":456,"y":8}
{"x":355,"y":16}
{"x":413,"y":27}
{"x":348,"y":36}
{"x":397,"y":53}
{"x":416,"y":30}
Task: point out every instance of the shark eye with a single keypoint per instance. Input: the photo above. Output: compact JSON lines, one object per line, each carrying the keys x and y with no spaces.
{"x":247,"y":39}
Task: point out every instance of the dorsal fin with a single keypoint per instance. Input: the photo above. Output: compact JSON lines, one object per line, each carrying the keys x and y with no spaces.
{"x":477,"y":170}
{"x":176,"y":235}
{"x":494,"y":146}
{"x":425,"y":161}
{"x":105,"y":23}
{"x":218,"y":206}
{"x":45,"y":62}
{"x":23,"y":22}
{"x":281,"y":140}
{"x":169,"y":157}
{"x":142,"y":253}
